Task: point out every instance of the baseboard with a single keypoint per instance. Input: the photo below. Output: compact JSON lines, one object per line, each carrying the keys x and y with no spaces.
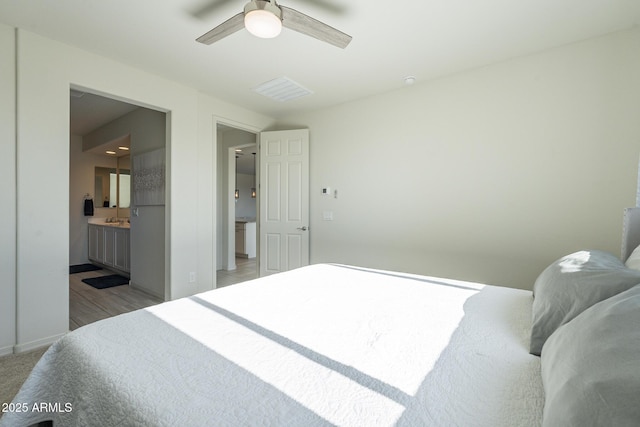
{"x":22,"y":348}
{"x":145,"y":290}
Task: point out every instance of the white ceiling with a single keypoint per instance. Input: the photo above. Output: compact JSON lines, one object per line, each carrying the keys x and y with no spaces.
{"x":88,"y":111}
{"x":391,"y":40}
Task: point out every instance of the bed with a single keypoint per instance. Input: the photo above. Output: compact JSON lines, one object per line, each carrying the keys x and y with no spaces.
{"x":333,"y":344}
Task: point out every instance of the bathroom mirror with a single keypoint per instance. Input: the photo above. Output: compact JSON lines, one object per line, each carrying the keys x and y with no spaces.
{"x":113,"y":186}
{"x":124,"y":182}
{"x":103,"y":194}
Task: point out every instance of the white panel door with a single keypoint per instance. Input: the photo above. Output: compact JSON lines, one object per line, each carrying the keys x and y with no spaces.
{"x":284,"y":200}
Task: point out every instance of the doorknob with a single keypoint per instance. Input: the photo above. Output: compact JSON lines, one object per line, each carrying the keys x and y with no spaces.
{"x":303,"y":228}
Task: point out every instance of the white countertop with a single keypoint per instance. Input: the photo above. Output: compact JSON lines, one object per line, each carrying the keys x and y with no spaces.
{"x":245,"y":220}
{"x":103,"y":222}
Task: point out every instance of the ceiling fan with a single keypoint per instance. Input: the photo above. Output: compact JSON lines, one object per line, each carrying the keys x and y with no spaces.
{"x":265,"y":19}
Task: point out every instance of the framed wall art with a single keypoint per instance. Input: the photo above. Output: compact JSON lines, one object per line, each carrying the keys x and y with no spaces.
{"x":148,"y":178}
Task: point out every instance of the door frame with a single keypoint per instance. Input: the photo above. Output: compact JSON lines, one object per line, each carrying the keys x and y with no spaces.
{"x":231,"y":207}
{"x":228,"y":227}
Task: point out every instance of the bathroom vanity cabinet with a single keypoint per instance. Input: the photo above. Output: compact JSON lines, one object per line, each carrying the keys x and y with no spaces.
{"x":109,"y":246}
{"x":245,"y":239}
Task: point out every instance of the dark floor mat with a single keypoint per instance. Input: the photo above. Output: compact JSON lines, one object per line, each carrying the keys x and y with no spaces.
{"x":81,"y":268}
{"x":103,"y":282}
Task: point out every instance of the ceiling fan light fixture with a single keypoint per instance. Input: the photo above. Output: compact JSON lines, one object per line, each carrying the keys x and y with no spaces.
{"x":263,"y":19}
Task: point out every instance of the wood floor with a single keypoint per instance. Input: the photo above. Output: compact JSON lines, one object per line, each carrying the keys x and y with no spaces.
{"x":88,"y":304}
{"x":246,"y":269}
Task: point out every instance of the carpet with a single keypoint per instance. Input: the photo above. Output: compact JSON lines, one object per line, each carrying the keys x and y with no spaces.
{"x":81,"y":268}
{"x":14,"y":369}
{"x":103,"y":282}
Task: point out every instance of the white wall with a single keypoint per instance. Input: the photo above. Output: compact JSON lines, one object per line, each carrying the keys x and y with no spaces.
{"x":46,"y":70}
{"x":42,"y":216}
{"x":8,"y":191}
{"x":487,"y":175}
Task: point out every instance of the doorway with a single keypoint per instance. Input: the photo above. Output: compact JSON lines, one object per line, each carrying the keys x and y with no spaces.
{"x":237,"y":204}
{"x":106,"y":134}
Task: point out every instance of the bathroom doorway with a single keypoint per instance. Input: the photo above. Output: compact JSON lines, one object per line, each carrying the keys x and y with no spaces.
{"x":105,"y":135}
{"x":237,"y":225}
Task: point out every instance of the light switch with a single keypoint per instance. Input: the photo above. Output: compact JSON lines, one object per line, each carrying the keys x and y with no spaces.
{"x":326,"y":191}
{"x":327,"y":215}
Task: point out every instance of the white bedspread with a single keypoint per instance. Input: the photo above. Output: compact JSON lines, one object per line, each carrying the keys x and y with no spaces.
{"x":322,"y":345}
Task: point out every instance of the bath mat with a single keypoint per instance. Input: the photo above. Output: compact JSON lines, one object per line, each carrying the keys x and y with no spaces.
{"x":81,"y":268}
{"x":103,"y":282}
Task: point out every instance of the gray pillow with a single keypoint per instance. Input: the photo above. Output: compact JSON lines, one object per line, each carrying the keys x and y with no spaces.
{"x":572,"y":284}
{"x":591,"y":366}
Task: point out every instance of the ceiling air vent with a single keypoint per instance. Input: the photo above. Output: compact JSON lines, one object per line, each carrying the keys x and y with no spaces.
{"x":282,"y":89}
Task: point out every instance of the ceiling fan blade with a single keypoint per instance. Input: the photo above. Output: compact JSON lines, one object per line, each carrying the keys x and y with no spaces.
{"x":305,"y":24}
{"x":223,"y":30}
